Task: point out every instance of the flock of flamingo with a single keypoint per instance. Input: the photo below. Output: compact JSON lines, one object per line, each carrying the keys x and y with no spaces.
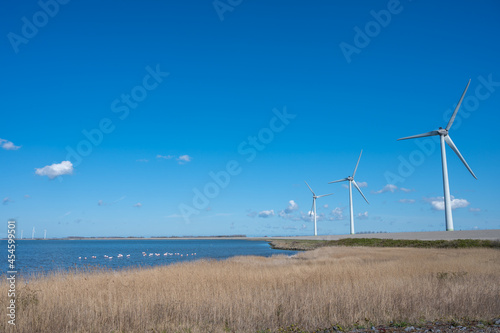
{"x":144,"y":254}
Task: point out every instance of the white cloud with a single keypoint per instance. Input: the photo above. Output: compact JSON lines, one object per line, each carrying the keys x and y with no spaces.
{"x":363,"y":216}
{"x":165,"y":157}
{"x":438,"y":203}
{"x":27,"y":196}
{"x":184,"y":159}
{"x":8,"y":145}
{"x":406,"y":190}
{"x":6,"y":200}
{"x":459,"y":203}
{"x":407,"y":200}
{"x":296,"y":216}
{"x":325,"y":206}
{"x":337,"y":214}
{"x":55,"y":170}
{"x":474,"y":210}
{"x":266,"y":213}
{"x":292,"y":206}
{"x":138,"y":205}
{"x":387,"y":188}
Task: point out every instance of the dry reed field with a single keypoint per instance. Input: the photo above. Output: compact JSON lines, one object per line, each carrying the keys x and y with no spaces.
{"x":312,"y":290}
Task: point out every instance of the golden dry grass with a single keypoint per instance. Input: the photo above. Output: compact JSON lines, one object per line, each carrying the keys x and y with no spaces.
{"x":313,"y":290}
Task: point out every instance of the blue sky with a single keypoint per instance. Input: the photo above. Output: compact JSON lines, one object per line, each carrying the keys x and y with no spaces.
{"x":117,"y":115}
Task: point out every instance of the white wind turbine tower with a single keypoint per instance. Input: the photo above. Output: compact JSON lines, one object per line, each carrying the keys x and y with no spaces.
{"x":45,"y":234}
{"x":313,"y":208}
{"x":444,"y":136}
{"x":33,"y":233}
{"x":352,"y":182}
{"x":22,"y":234}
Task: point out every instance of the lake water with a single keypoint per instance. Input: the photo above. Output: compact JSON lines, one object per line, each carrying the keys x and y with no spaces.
{"x":42,"y":256}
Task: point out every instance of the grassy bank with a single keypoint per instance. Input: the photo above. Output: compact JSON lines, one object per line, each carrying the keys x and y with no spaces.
{"x":305,"y":245}
{"x":316,"y":289}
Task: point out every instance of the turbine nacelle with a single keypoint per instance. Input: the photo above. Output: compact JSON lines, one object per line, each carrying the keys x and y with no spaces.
{"x":442,"y":131}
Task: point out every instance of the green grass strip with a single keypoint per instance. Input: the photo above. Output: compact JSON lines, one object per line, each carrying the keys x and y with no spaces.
{"x":305,"y":245}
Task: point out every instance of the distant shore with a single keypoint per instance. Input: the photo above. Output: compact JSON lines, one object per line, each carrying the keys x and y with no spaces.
{"x":143,"y":238}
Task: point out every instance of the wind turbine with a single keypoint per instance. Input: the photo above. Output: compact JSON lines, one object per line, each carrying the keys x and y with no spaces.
{"x":444,"y":136}
{"x":313,"y":208}
{"x":45,"y":234}
{"x":352,"y":182}
{"x":33,"y":233}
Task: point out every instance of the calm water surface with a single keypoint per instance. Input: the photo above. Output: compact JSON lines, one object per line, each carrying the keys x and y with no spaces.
{"x":43,"y":256}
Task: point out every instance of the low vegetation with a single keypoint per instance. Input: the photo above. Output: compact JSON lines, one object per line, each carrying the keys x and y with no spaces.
{"x":305,"y":245}
{"x":333,"y":287}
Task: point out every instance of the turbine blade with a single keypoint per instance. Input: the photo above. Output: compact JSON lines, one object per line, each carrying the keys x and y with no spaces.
{"x":356,"y":168}
{"x":340,"y":180}
{"x":455,"y":149}
{"x":420,"y":135}
{"x":309,"y":187}
{"x":456,"y":109}
{"x":312,"y":208}
{"x":324,"y":195}
{"x":356,"y":185}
